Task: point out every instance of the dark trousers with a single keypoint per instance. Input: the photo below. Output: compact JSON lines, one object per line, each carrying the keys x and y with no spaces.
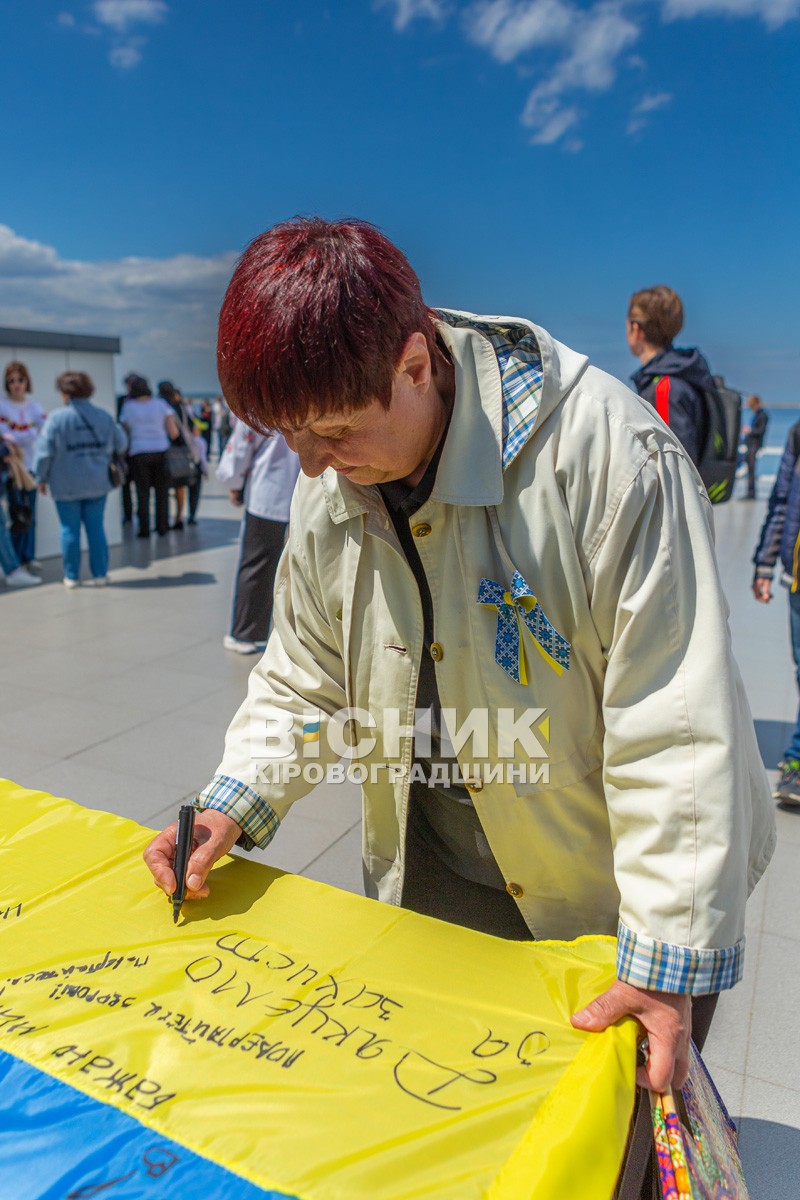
{"x":149,"y":471}
{"x":127,"y":499}
{"x":793,"y":749}
{"x":262,"y":542}
{"x":194,"y":495}
{"x":751,"y":450}
{"x":25,"y":542}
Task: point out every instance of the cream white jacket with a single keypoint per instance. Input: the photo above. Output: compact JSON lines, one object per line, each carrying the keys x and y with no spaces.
{"x":655,"y":816}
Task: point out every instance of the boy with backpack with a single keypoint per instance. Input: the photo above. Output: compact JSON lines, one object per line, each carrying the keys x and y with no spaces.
{"x":701,"y":411}
{"x":673,"y":380}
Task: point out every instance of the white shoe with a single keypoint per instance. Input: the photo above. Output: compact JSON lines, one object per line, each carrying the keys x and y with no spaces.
{"x":22,"y":578}
{"x":70,"y":583}
{"x":232,"y":643}
{"x":97,"y":581}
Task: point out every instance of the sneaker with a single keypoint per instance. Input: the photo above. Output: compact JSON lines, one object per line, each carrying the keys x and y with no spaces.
{"x":232,"y":643}
{"x":788,"y":789}
{"x":97,"y":581}
{"x":33,"y":565}
{"x":70,"y":583}
{"x":21,"y":578}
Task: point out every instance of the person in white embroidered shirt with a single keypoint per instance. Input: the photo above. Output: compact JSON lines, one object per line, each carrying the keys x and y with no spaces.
{"x":488,"y":528}
{"x":21,"y":421}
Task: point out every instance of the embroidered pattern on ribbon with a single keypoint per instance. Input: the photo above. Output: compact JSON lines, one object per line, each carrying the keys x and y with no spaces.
{"x":516,"y":608}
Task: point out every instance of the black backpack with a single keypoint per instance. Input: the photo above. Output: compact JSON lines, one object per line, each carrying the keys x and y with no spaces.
{"x":720,"y":452}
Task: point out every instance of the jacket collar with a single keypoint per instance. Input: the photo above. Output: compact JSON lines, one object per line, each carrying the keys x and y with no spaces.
{"x":471,"y":467}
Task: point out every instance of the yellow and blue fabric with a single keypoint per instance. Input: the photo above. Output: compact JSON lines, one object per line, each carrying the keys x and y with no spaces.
{"x":284,"y":1041}
{"x":517,"y":607}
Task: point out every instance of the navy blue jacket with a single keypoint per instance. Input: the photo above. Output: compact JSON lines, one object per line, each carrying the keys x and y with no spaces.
{"x":781,"y":531}
{"x":673,"y":382}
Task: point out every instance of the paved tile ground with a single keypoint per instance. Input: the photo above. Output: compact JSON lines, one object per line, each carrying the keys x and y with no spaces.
{"x":119,"y":699}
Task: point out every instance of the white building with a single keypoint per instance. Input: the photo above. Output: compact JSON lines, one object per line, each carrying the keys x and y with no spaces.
{"x":45,"y":356}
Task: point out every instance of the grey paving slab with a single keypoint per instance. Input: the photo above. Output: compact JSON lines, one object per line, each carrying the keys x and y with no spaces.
{"x":730,"y":1086}
{"x":781,"y":913}
{"x":217,"y":706}
{"x":20,"y":696}
{"x":153,"y":687}
{"x":178,"y":753}
{"x":64,"y":725}
{"x":110,"y":791}
{"x":769,"y":1140}
{"x":774,"y":1047}
{"x":63,"y":670}
{"x":728,"y":1041}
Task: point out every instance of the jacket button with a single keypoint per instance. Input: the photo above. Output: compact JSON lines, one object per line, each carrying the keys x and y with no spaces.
{"x":473,"y":785}
{"x":514,"y":889}
{"x":437,"y":653}
{"x":421,"y":530}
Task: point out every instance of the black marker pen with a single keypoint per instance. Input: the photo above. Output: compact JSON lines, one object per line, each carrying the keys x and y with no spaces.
{"x":183,"y":848}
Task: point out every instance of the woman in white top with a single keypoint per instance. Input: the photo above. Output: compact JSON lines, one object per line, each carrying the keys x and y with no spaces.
{"x":21,"y":421}
{"x":259,"y":472}
{"x":149,"y":423}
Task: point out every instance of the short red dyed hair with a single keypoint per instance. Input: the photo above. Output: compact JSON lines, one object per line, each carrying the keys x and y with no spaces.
{"x":315,"y":320}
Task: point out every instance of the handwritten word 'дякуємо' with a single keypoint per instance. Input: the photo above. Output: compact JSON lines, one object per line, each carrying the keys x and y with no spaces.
{"x":418,"y":1075}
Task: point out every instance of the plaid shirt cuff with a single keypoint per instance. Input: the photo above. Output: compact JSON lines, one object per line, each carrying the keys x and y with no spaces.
{"x":660,"y":967}
{"x":259,"y":822}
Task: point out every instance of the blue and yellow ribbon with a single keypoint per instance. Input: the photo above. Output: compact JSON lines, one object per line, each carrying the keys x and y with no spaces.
{"x":517,"y":607}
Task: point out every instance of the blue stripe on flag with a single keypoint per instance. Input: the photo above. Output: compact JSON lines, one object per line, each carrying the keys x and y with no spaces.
{"x":57,"y":1143}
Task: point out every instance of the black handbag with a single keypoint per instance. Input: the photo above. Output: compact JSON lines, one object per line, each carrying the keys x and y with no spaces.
{"x":181,"y":467}
{"x":117,"y":470}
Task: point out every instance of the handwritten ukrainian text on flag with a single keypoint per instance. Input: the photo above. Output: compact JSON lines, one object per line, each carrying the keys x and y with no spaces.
{"x":300,"y":1041}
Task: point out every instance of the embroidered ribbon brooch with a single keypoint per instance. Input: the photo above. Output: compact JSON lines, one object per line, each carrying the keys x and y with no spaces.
{"x":516,"y":608}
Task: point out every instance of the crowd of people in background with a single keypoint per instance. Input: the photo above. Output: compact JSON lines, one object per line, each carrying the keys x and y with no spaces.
{"x":156,"y":450}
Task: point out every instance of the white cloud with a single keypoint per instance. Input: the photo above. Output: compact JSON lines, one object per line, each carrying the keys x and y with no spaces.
{"x":584,"y":46}
{"x":590,"y":41}
{"x":120,"y":15}
{"x":649,"y":103}
{"x":773,"y":13}
{"x":126,"y":56}
{"x":507,"y":28}
{"x":116,"y":20}
{"x":406,"y":11}
{"x":165,"y":310}
{"x":21,"y":258}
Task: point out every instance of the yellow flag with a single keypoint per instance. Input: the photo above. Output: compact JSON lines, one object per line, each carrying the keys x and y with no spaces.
{"x":307,"y":1039}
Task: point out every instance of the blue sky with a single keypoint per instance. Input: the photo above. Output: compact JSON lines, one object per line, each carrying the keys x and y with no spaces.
{"x":538,"y":157}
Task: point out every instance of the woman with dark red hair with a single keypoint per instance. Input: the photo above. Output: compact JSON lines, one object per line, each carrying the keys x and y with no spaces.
{"x":500,"y":574}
